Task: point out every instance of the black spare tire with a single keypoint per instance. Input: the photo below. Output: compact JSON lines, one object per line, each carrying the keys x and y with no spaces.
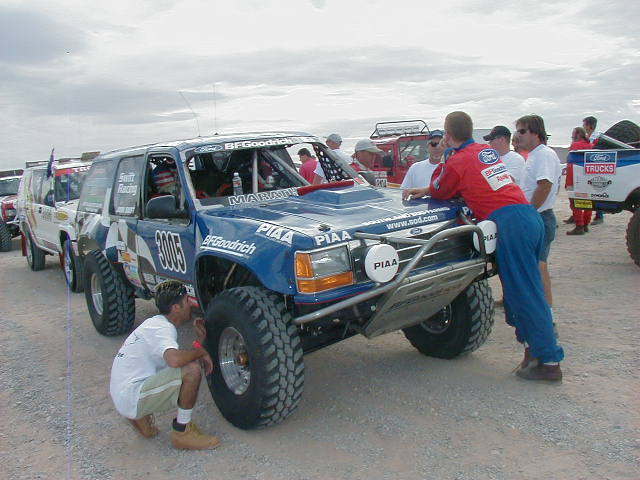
{"x":624,"y":131}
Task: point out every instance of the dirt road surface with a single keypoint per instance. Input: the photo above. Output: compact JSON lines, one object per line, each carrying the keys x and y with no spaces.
{"x":372,"y":409}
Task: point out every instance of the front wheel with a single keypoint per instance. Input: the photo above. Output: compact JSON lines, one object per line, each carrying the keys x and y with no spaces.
{"x":5,"y":237}
{"x":633,"y":237}
{"x":71,"y":267}
{"x":259,"y":370}
{"x":459,"y":328}
{"x":110,"y":299}
{"x":35,"y":256}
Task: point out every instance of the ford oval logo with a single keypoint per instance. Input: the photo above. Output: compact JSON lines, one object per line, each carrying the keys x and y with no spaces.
{"x":601,"y":157}
{"x":415,"y":231}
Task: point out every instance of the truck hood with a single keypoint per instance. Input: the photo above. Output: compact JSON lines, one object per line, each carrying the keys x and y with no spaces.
{"x":358,"y":208}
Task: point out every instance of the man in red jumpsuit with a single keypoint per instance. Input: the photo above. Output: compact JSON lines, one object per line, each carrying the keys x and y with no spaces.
{"x":475,"y":172}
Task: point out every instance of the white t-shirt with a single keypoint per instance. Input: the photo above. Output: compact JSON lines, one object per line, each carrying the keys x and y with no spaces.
{"x":542,"y":164}
{"x":140,"y":357}
{"x":340,"y":153}
{"x":419,"y":175}
{"x":515,"y":165}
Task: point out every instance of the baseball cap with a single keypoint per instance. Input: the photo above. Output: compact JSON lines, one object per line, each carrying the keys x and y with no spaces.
{"x":497,"y":131}
{"x":367,"y":145}
{"x":334,"y":137}
{"x":435,"y":133}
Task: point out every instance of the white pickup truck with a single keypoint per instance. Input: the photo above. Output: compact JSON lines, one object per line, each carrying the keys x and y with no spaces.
{"x":608,"y":178}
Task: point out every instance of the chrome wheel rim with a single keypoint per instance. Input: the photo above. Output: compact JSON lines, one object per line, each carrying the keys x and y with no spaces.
{"x":234,"y":361}
{"x":96,"y":294}
{"x":68,"y":271}
{"x":29,"y":251}
{"x":440,"y":322}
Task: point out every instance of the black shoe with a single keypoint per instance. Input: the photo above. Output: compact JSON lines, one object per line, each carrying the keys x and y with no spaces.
{"x":578,"y":230}
{"x":569,"y":220}
{"x":541,"y":372}
{"x":597,"y":221}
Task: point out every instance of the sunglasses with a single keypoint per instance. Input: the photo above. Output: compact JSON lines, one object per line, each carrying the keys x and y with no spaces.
{"x":434,"y":144}
{"x":522,"y":131}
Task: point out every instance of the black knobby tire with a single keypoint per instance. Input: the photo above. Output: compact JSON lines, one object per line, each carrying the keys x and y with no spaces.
{"x":117,"y":301}
{"x":35,"y":256}
{"x":272,"y":355}
{"x":633,"y":237}
{"x":73,"y":276}
{"x":458,"y":329}
{"x":624,"y":131}
{"x":5,"y":238}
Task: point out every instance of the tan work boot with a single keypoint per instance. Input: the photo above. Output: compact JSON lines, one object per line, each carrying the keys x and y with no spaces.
{"x":193,"y":439}
{"x":145,"y":426}
{"x":541,"y":372}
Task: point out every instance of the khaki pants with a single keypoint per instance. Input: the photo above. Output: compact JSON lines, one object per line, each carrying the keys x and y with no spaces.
{"x":159,"y":393}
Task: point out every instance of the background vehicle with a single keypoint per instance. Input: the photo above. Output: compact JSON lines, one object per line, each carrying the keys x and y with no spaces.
{"x":46,"y":207}
{"x":608,"y":178}
{"x":405,"y":142}
{"x":9,"y":182}
{"x":280,"y":267}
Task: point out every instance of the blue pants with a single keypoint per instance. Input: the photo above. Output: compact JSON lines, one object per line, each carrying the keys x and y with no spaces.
{"x":521,"y":239}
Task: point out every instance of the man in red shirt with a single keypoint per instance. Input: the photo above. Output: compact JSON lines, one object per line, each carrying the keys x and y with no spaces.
{"x":309,"y":163}
{"x":475,"y":172}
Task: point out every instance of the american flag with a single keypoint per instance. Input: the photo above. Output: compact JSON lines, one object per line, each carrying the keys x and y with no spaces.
{"x":50,"y":164}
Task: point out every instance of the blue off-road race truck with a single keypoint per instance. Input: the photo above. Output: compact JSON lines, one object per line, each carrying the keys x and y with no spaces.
{"x":279,"y":267}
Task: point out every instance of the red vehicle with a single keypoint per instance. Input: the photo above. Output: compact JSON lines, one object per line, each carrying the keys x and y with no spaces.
{"x":9,"y":182}
{"x":405,"y":142}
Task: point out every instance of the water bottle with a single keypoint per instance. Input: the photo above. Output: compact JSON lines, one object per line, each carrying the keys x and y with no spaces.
{"x":237,"y":184}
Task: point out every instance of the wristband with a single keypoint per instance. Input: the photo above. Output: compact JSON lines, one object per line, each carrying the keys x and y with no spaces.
{"x":197,"y":344}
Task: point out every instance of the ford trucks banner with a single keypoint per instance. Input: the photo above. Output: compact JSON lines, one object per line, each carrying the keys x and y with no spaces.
{"x":599,"y":163}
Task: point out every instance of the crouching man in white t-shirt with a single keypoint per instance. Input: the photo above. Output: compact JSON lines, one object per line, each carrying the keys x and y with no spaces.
{"x":150,"y":374}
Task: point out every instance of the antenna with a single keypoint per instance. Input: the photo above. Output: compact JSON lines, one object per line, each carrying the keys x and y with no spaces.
{"x":215,"y":109}
{"x":194,"y":113}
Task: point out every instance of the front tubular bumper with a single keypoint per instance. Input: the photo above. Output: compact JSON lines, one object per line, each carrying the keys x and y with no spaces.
{"x":409,"y":300}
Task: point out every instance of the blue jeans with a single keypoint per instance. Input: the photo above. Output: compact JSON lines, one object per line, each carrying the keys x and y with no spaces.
{"x":521,"y":240}
{"x":550,"y":226}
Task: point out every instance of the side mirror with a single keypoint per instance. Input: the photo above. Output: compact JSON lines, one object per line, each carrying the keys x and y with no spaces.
{"x":164,"y":207}
{"x":387,"y":160}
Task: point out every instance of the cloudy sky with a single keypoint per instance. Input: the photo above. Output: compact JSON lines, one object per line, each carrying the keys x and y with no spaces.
{"x":79,"y":75}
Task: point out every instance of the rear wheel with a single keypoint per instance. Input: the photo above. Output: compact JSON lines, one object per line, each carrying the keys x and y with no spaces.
{"x":5,"y":237}
{"x":35,"y":256}
{"x":459,"y":328}
{"x":259,"y":374}
{"x":110,"y":299}
{"x":71,"y":267}
{"x":633,"y":237}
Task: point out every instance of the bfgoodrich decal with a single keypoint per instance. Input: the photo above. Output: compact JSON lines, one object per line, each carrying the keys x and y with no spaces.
{"x":234,"y":247}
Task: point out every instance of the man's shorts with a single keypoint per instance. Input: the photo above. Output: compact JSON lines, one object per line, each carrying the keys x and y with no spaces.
{"x":159,"y":393}
{"x":550,"y":225}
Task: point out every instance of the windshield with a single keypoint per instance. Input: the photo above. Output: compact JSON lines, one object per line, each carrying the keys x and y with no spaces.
{"x":413,"y":150}
{"x":9,"y":186}
{"x":240,"y":176}
{"x":69,"y":182}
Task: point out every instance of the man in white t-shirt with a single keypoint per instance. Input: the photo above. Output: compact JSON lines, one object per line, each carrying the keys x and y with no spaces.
{"x":419,"y":174}
{"x":151,"y":374}
{"x":540,"y":183}
{"x":333,"y":141}
{"x":500,"y":140}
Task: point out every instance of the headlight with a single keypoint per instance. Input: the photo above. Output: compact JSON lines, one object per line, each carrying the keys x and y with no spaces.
{"x":323,"y":270}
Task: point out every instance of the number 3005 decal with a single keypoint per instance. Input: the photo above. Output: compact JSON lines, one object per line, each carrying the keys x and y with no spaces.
{"x":170,"y":251}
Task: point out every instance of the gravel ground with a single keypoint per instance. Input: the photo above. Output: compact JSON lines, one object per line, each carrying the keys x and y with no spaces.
{"x":372,"y":409}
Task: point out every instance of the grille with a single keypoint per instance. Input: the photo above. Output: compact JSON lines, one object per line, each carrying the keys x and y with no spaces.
{"x":455,"y":249}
